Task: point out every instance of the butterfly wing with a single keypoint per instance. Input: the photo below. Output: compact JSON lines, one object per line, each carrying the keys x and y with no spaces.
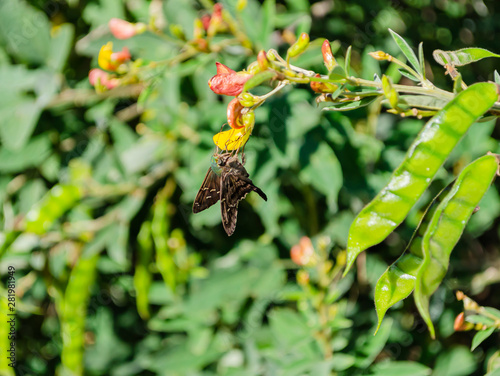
{"x":209,"y":192}
{"x":234,"y":188}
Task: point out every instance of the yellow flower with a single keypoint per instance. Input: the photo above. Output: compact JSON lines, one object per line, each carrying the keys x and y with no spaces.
{"x":236,"y":138}
{"x":110,"y":60}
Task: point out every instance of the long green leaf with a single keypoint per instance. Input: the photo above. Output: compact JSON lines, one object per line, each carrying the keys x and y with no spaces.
{"x":480,"y":337}
{"x":462,"y":57}
{"x":406,"y":50}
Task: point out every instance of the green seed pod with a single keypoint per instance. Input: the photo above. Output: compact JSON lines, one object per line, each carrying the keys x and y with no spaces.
{"x":73,"y":311}
{"x":55,"y":203}
{"x":424,"y":158}
{"x":298,"y":47}
{"x":425,"y":262}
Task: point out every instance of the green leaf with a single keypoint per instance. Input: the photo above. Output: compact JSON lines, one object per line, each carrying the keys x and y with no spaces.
{"x":409,"y":75}
{"x":462,"y":57}
{"x":479,"y":319}
{"x":289,"y":327}
{"x":421,"y":59}
{"x":446,"y":227}
{"x":406,"y":50}
{"x":493,"y":311}
{"x":324,"y":173}
{"x":397,"y":368}
{"x":455,"y":362}
{"x":497,"y":77}
{"x":29,"y":91}
{"x":26,"y":31}
{"x":480,"y":337}
{"x":60,"y":46}
{"x":33,"y":154}
{"x":424,"y":158}
{"x":423,"y":101}
{"x":338,"y":74}
{"x":348,"y":61}
{"x":373,"y":345}
{"x":258,"y":79}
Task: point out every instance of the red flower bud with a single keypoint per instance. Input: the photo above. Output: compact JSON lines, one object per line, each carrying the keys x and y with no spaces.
{"x":205,"y":20}
{"x":328,"y":58}
{"x":460,"y":324}
{"x":227,"y":81}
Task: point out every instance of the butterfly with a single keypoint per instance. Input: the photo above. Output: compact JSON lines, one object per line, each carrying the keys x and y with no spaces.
{"x":226,"y":180}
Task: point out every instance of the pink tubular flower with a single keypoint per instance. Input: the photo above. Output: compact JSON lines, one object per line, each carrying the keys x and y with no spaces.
{"x":227,"y":81}
{"x":99,"y":78}
{"x":122,"y":29}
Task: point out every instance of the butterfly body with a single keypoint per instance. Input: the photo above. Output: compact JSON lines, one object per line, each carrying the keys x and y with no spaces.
{"x":226,"y":180}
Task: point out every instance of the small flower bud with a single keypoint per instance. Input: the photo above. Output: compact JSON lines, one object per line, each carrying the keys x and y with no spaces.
{"x":241,"y":5}
{"x":262,"y":60}
{"x":198,"y":29}
{"x":246,"y":99}
{"x":328,"y":58}
{"x":253,"y":68}
{"x":177,"y":31}
{"x":380,"y":55}
{"x":300,"y":46}
{"x":122,"y":29}
{"x":460,"y":324}
{"x":302,"y":277}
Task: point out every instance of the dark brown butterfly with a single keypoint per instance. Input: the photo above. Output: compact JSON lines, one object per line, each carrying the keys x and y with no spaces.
{"x":227,"y":181}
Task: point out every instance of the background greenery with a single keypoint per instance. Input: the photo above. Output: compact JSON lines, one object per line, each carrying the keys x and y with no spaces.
{"x":96,"y":199}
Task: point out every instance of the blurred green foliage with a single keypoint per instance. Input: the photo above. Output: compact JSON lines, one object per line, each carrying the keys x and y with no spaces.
{"x":114,"y":274}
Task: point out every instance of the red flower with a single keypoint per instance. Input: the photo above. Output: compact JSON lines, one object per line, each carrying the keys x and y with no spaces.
{"x":227,"y":81}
